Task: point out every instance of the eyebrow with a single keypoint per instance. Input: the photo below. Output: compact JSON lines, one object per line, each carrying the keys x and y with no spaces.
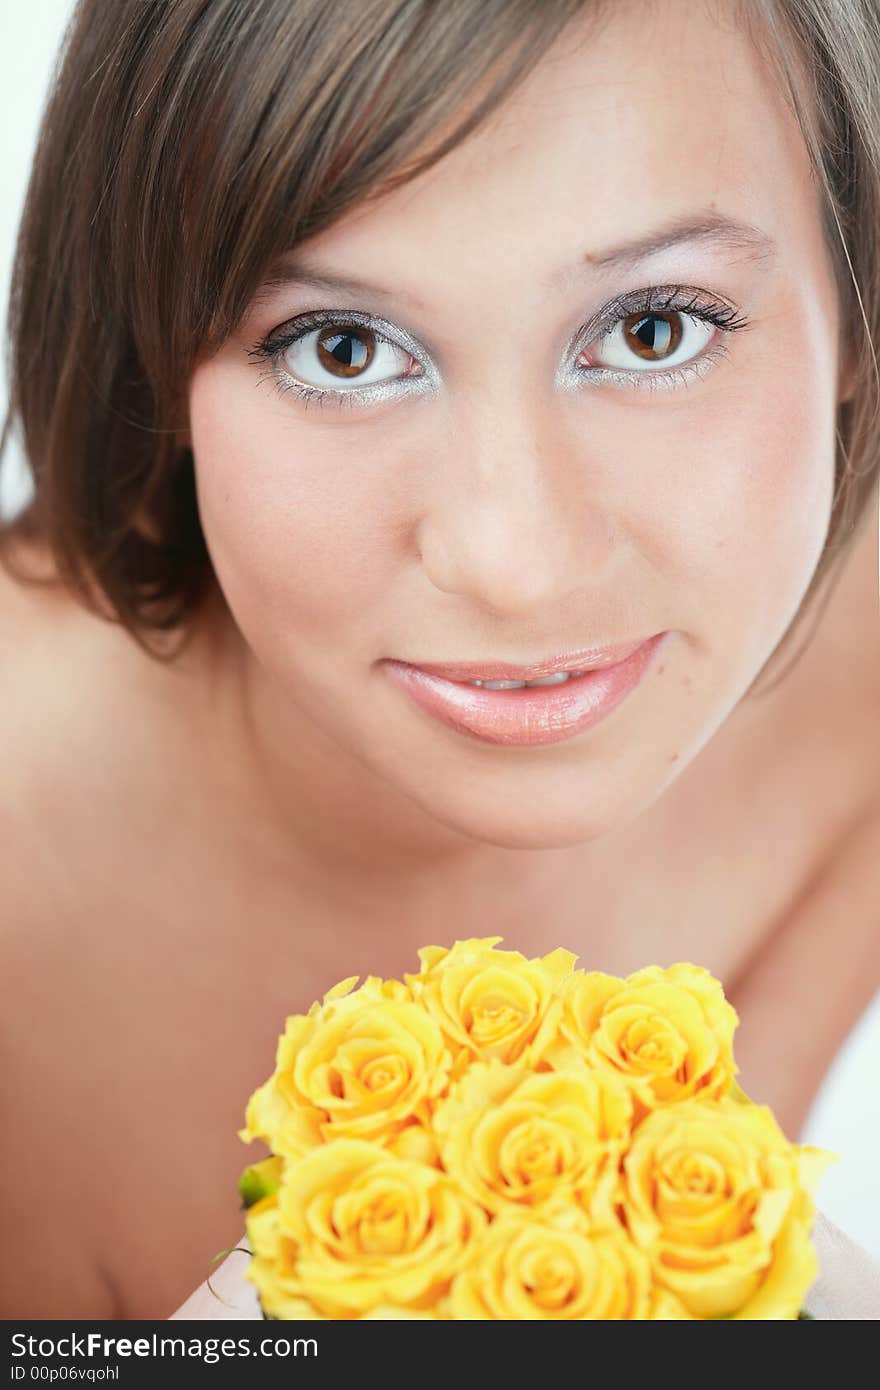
{"x":727,"y":233}
{"x":292,"y":269}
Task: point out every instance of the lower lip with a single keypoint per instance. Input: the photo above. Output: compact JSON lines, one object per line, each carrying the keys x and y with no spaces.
{"x":520,"y":718}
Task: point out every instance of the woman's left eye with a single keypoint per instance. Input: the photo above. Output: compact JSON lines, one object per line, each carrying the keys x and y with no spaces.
{"x":645,"y":341}
{"x":659,"y":337}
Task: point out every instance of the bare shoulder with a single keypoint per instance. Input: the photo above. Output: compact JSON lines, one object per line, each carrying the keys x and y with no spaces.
{"x":46,"y":1265}
{"x":88,"y":728}
{"x":103,"y":812}
{"x":84,"y":712}
{"x":38,"y":699}
{"x":69,"y":701}
{"x":821,"y":957}
{"x":50,"y":645}
{"x":50,"y":1264}
{"x":821,"y":963}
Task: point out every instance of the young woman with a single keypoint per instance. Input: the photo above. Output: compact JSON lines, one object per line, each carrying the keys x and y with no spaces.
{"x":363,"y":353}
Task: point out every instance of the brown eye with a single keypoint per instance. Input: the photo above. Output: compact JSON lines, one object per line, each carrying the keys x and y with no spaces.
{"x":346,"y":358}
{"x":652,"y":337}
{"x":345,"y":351}
{"x":649,"y":342}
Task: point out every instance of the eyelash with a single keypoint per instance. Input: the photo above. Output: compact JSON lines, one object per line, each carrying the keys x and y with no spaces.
{"x":658,"y":299}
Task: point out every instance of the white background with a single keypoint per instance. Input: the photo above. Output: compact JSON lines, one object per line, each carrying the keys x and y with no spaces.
{"x":846,"y":1114}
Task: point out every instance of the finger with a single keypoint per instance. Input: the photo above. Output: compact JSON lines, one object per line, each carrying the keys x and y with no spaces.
{"x":848,"y":1287}
{"x":229,"y":1296}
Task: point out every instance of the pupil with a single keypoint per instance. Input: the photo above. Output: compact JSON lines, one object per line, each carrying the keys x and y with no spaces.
{"x":653,"y":335}
{"x":344,"y":351}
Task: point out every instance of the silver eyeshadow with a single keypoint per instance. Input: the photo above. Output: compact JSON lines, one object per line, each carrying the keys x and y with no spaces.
{"x":701,"y":306}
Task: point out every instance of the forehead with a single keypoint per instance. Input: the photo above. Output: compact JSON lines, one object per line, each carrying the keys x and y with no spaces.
{"x":650,"y":113}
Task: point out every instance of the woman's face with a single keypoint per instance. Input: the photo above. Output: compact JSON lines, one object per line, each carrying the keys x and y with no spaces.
{"x":518,"y":444}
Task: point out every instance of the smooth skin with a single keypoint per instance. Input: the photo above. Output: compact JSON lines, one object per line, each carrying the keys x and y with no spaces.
{"x":505,"y":515}
{"x":502,"y":515}
{"x":273,"y":814}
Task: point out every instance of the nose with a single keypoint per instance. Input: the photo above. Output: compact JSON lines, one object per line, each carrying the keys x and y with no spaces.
{"x":516,"y":521}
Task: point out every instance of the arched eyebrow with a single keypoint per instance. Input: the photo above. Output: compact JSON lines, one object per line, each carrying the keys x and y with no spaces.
{"x":728,"y":233}
{"x":291,"y":269}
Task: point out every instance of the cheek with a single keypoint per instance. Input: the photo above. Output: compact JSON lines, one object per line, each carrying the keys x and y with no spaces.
{"x":784,"y":433}
{"x":292,"y":512}
{"x":742,"y":479}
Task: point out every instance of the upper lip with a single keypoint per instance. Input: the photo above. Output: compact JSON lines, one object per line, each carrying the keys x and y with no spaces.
{"x":585,"y":659}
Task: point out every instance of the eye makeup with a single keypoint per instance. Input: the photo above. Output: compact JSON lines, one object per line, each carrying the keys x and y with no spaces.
{"x":697,"y":313}
{"x":271,"y":351}
{"x":664,"y":314}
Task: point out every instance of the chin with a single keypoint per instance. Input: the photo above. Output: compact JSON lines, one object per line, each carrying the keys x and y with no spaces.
{"x":535,"y":827}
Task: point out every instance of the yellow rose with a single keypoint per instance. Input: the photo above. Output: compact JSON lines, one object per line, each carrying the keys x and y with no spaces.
{"x":417,"y":1143}
{"x":272,"y":1270}
{"x":509,"y":1136}
{"x":491,"y":1003}
{"x":360,"y":1065}
{"x":531,"y":1270}
{"x":720,"y":1202}
{"x":273,"y":1264}
{"x":387,"y":1312}
{"x":354,"y":1229}
{"x":667,"y":1033}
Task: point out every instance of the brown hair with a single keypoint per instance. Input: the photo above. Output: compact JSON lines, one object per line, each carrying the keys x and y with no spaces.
{"x":186,"y":145}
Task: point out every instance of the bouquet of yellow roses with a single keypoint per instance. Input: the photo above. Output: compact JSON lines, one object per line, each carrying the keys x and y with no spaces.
{"x":503,"y":1138}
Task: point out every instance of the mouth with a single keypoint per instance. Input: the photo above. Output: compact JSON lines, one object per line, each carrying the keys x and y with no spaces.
{"x":544,"y":708}
{"x":503,"y":675}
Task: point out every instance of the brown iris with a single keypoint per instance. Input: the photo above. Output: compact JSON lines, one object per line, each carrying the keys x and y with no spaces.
{"x":345,"y":350}
{"x":652,"y":336}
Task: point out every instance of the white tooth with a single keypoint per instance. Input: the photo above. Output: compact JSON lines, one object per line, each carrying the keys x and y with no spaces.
{"x":578,"y":673}
{"x":559,"y":679}
{"x":503,"y":685}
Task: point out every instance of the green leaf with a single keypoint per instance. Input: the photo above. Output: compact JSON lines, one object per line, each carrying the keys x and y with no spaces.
{"x":259,"y":1180}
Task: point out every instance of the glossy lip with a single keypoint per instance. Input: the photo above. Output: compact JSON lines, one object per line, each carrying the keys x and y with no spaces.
{"x":504,"y":671}
{"x":545,"y":714}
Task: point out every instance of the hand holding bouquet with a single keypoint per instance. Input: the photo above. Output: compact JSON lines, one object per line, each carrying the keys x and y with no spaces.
{"x":502,"y":1138}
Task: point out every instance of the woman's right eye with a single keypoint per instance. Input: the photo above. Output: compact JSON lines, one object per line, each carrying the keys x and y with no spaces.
{"x":344,"y":358}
